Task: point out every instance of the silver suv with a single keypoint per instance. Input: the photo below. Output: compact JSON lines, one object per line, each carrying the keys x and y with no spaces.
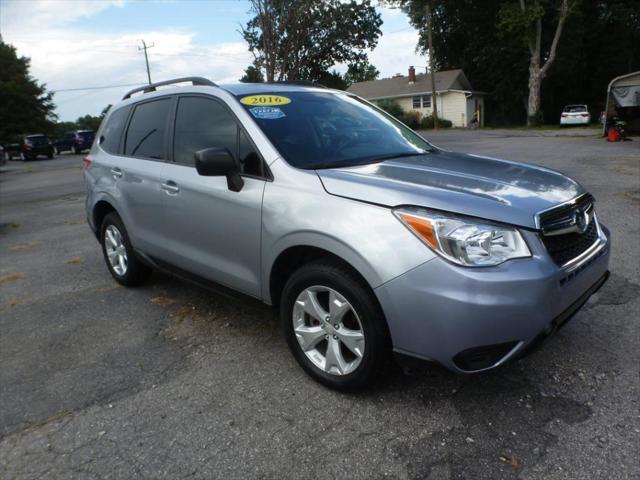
{"x":368,"y":239}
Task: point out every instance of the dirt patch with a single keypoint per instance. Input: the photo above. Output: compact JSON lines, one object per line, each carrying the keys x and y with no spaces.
{"x":163,"y":301}
{"x":634,"y":197}
{"x":24,"y":247}
{"x":73,"y":260}
{"x":11,"y":278}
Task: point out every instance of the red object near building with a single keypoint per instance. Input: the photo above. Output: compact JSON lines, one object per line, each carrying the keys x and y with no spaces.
{"x":613,"y":135}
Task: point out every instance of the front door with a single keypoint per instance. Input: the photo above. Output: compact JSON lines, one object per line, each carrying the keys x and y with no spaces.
{"x":210,"y":230}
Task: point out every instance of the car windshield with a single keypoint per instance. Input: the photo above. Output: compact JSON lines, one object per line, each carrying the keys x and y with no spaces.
{"x":575,"y":108}
{"x":327,"y":130}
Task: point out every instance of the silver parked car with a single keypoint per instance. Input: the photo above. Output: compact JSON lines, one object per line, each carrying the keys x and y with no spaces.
{"x":368,"y":239}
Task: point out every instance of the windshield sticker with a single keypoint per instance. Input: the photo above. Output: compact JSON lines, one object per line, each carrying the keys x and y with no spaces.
{"x":265,"y":100}
{"x":267,"y":113}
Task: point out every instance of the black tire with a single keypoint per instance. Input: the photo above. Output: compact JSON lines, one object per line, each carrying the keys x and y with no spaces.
{"x":136,"y":272}
{"x":77,"y":151}
{"x":377,"y":352}
{"x":50,"y":156}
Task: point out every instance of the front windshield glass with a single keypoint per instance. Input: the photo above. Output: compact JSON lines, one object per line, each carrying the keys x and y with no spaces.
{"x":327,"y":129}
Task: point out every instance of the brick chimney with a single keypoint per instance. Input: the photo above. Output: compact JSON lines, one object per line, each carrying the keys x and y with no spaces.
{"x":412,"y":74}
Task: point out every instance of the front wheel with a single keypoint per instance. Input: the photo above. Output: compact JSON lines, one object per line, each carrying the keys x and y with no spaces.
{"x":118,"y":253}
{"x":334,"y":326}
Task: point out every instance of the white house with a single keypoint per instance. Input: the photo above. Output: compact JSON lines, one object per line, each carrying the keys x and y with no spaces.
{"x":457,"y":101}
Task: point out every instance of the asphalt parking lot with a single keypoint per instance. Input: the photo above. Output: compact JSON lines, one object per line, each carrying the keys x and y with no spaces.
{"x":172,"y":381}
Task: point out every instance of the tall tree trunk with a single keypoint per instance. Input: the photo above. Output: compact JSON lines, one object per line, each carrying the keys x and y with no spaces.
{"x":434,"y":100}
{"x":535,"y":84}
{"x":538,"y":71}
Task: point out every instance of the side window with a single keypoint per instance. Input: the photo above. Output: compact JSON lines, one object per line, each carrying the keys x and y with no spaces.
{"x":146,"y":132}
{"x":416,"y":102}
{"x":426,"y":101}
{"x":202,"y":123}
{"x":112,"y":131}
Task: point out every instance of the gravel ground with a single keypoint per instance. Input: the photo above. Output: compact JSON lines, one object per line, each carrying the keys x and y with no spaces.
{"x":171,"y":381}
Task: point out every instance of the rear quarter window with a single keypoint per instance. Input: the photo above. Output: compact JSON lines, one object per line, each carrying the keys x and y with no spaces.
{"x":112,"y":132}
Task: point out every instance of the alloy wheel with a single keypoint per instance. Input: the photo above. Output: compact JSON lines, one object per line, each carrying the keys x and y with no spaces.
{"x":116,"y":250}
{"x":328,"y":330}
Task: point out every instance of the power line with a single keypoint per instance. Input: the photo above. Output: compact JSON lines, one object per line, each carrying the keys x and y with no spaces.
{"x":78,"y":89}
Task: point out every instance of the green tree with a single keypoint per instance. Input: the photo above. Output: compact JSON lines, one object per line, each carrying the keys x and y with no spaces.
{"x":525,"y":18}
{"x":333,"y":79}
{"x":303,"y":39}
{"x":88,"y":122}
{"x":361,"y":72}
{"x":252,"y":74}
{"x":25,"y":105}
{"x":600,"y":40}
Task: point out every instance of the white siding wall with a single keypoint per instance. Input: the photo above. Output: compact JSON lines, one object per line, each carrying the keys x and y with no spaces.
{"x":454,"y":108}
{"x":451,"y":105}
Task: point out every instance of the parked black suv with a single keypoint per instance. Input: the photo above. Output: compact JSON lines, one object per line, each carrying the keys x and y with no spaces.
{"x":76,"y":141}
{"x":29,"y":147}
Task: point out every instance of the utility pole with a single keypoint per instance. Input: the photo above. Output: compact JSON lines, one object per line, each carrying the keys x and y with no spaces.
{"x":434,"y":100}
{"x":145,"y":47}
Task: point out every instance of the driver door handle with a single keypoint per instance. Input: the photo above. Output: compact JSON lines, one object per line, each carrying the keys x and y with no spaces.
{"x":170,"y":187}
{"x":116,"y":172}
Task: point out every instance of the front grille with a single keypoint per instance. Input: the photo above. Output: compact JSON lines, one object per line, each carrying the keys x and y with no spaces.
{"x":564,"y":248}
{"x":561,"y":227}
{"x":551,"y":217}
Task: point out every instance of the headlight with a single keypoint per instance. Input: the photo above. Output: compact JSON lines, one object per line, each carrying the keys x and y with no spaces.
{"x":464,"y":241}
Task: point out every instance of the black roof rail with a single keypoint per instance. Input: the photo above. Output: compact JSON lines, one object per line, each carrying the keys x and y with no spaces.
{"x":152,"y":86}
{"x":302,"y":83}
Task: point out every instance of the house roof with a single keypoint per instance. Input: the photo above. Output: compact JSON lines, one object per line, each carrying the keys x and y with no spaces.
{"x":400,"y":86}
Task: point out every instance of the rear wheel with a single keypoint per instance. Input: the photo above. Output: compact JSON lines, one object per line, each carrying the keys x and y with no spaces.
{"x":334,"y":326}
{"x":118,"y":253}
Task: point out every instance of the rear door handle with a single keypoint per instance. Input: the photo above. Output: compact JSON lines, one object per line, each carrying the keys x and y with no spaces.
{"x":170,"y":187}
{"x":116,"y":172}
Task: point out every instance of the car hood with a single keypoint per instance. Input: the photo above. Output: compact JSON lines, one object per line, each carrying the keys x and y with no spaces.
{"x":484,"y":187}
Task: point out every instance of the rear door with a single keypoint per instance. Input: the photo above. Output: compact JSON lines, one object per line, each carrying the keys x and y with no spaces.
{"x":210,"y":230}
{"x":137,"y":172}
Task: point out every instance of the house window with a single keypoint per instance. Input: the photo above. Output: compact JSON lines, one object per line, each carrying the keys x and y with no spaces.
{"x":426,"y":101}
{"x":416,"y":102}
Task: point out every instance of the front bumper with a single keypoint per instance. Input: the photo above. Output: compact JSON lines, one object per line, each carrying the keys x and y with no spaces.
{"x":474,"y":319}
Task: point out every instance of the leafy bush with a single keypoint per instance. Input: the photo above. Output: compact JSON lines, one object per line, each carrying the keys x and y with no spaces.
{"x":427,"y":123}
{"x":391,"y":107}
{"x":411,"y":119}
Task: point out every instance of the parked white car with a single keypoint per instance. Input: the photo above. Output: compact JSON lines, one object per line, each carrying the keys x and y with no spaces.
{"x":575,"y":115}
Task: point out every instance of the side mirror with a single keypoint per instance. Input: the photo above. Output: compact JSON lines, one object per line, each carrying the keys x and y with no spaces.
{"x":217,"y":162}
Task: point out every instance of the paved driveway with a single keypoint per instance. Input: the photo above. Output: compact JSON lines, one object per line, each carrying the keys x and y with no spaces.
{"x":171,"y":381}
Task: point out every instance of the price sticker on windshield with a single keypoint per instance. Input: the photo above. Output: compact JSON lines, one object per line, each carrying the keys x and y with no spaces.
{"x":265,"y":100}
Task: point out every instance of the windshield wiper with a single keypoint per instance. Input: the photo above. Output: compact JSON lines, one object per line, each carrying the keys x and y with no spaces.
{"x":363,"y":161}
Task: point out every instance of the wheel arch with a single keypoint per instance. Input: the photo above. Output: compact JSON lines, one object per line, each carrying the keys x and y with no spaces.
{"x":100,"y":210}
{"x":289,"y":259}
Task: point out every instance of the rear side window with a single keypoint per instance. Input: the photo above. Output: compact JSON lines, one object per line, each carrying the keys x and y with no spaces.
{"x":146,"y":133}
{"x":112,"y":131}
{"x":202,"y":123}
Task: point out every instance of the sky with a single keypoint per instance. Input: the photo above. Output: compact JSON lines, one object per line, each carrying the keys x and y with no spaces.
{"x":75,"y":44}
